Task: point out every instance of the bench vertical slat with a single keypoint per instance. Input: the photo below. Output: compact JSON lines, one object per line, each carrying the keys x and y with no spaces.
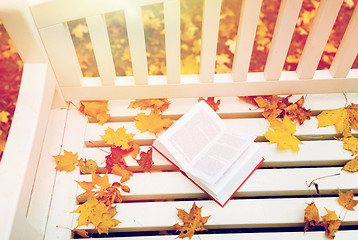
{"x":61,"y":51}
{"x":137,"y":48}
{"x":249,"y":15}
{"x":101,"y":46}
{"x":210,"y":31}
{"x":285,"y":25}
{"x":172,"y":40}
{"x":348,"y":49}
{"x":317,"y":38}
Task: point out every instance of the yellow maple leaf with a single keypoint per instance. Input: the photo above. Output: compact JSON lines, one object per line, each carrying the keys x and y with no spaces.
{"x":351,"y":166}
{"x":350,"y":144}
{"x":282,"y":134}
{"x":153,"y":123}
{"x":331,"y":223}
{"x":95,"y":109}
{"x":311,"y":217}
{"x":346,"y":200}
{"x":4,"y":116}
{"x":123,"y":172}
{"x":66,"y":162}
{"x":337,"y":118}
{"x":118,"y":138}
{"x":102,"y":182}
{"x":159,"y":104}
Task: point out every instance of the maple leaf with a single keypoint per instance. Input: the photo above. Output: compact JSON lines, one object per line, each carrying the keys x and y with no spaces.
{"x":82,"y":232}
{"x":311,"y":217}
{"x":89,"y":167}
{"x":66,"y":162}
{"x":331,"y":223}
{"x":211,"y":102}
{"x":146,"y":161}
{"x":282,"y":134}
{"x":351,"y":166}
{"x":88,"y":186}
{"x":352,"y":111}
{"x":350,"y":144}
{"x":346,"y":199}
{"x":192,"y":222}
{"x":97,"y":213}
{"x":118,"y":138}
{"x":337,"y":118}
{"x":95,"y":109}
{"x":102,"y":182}
{"x":123,"y":172}
{"x":154,"y":123}
{"x":157,"y":105}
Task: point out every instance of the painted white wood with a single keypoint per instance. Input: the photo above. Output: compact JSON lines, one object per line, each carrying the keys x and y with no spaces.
{"x":250,"y":213}
{"x":45,"y":176}
{"x":249,"y":16}
{"x":263,"y":182}
{"x":61,"y":52}
{"x":317,"y":38}
{"x":102,"y":49}
{"x":285,"y":25}
{"x":23,"y":147}
{"x":209,"y":39}
{"x":348,"y":49}
{"x":51,"y":12}
{"x":136,"y":42}
{"x":65,"y":187}
{"x":172,"y":40}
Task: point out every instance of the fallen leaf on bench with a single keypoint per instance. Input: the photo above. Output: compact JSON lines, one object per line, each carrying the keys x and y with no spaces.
{"x":350,"y":144}
{"x":82,"y":232}
{"x":282,"y":134}
{"x":346,"y":200}
{"x":123,"y":172}
{"x":95,"y":109}
{"x":211,"y":102}
{"x":157,"y":105}
{"x":146,"y":161}
{"x":351,"y":166}
{"x":118,"y":138}
{"x":192,"y":222}
{"x":311,"y":217}
{"x":89,"y":166}
{"x":66,"y":162}
{"x":153,"y":123}
{"x":331,"y":223}
{"x":337,"y":118}
{"x":97,"y":213}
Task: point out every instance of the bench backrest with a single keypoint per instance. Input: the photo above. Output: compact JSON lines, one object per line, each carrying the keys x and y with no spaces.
{"x":51,"y":19}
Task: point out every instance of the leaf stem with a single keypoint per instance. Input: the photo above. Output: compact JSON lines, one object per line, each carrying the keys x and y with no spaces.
{"x":312,"y":182}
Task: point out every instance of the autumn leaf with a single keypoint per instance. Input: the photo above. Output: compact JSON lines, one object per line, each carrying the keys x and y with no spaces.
{"x":311,"y":217}
{"x":146,"y":161}
{"x":102,"y":182}
{"x":153,"y":123}
{"x":97,"y":213}
{"x":351,"y":166}
{"x":118,"y":138}
{"x":123,"y":172}
{"x":95,"y":109}
{"x":346,"y":199}
{"x":211,"y":102}
{"x":282,"y":134}
{"x":331,"y":223}
{"x":192,"y":222}
{"x":350,"y":144}
{"x":82,"y":232}
{"x":88,"y":186}
{"x":157,"y":105}
{"x":66,"y":162}
{"x":89,"y":167}
{"x":125,"y":188}
{"x":337,"y":118}
{"x":352,"y":111}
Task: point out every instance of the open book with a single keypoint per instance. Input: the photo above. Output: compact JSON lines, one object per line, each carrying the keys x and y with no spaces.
{"x":216,"y":159}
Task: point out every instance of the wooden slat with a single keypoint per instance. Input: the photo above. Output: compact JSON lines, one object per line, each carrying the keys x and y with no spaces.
{"x":210,"y":31}
{"x":317,"y":38}
{"x":63,"y":201}
{"x":172,"y":40}
{"x":348,"y":49}
{"x":285,"y":25}
{"x":61,"y":51}
{"x":250,"y":213}
{"x":249,"y":16}
{"x":136,"y":42}
{"x":101,"y":46}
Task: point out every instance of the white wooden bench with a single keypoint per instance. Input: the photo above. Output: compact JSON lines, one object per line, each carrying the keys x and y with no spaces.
{"x":36,"y":201}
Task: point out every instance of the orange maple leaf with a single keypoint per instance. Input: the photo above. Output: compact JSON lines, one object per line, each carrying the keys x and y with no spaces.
{"x":346,"y":200}
{"x":153,"y":123}
{"x":95,"y":109}
{"x":331,"y":223}
{"x":311,"y":217}
{"x":118,"y":138}
{"x":351,"y":166}
{"x":122,"y":172}
{"x":211,"y":102}
{"x":192,"y":221}
{"x":146,"y":161}
{"x":157,"y":105}
{"x":66,"y":162}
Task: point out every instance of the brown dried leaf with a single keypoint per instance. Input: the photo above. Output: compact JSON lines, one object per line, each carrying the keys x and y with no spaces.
{"x":346,"y":200}
{"x":351,"y":166}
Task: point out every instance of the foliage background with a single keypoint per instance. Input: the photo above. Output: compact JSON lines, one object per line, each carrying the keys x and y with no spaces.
{"x":191,"y":19}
